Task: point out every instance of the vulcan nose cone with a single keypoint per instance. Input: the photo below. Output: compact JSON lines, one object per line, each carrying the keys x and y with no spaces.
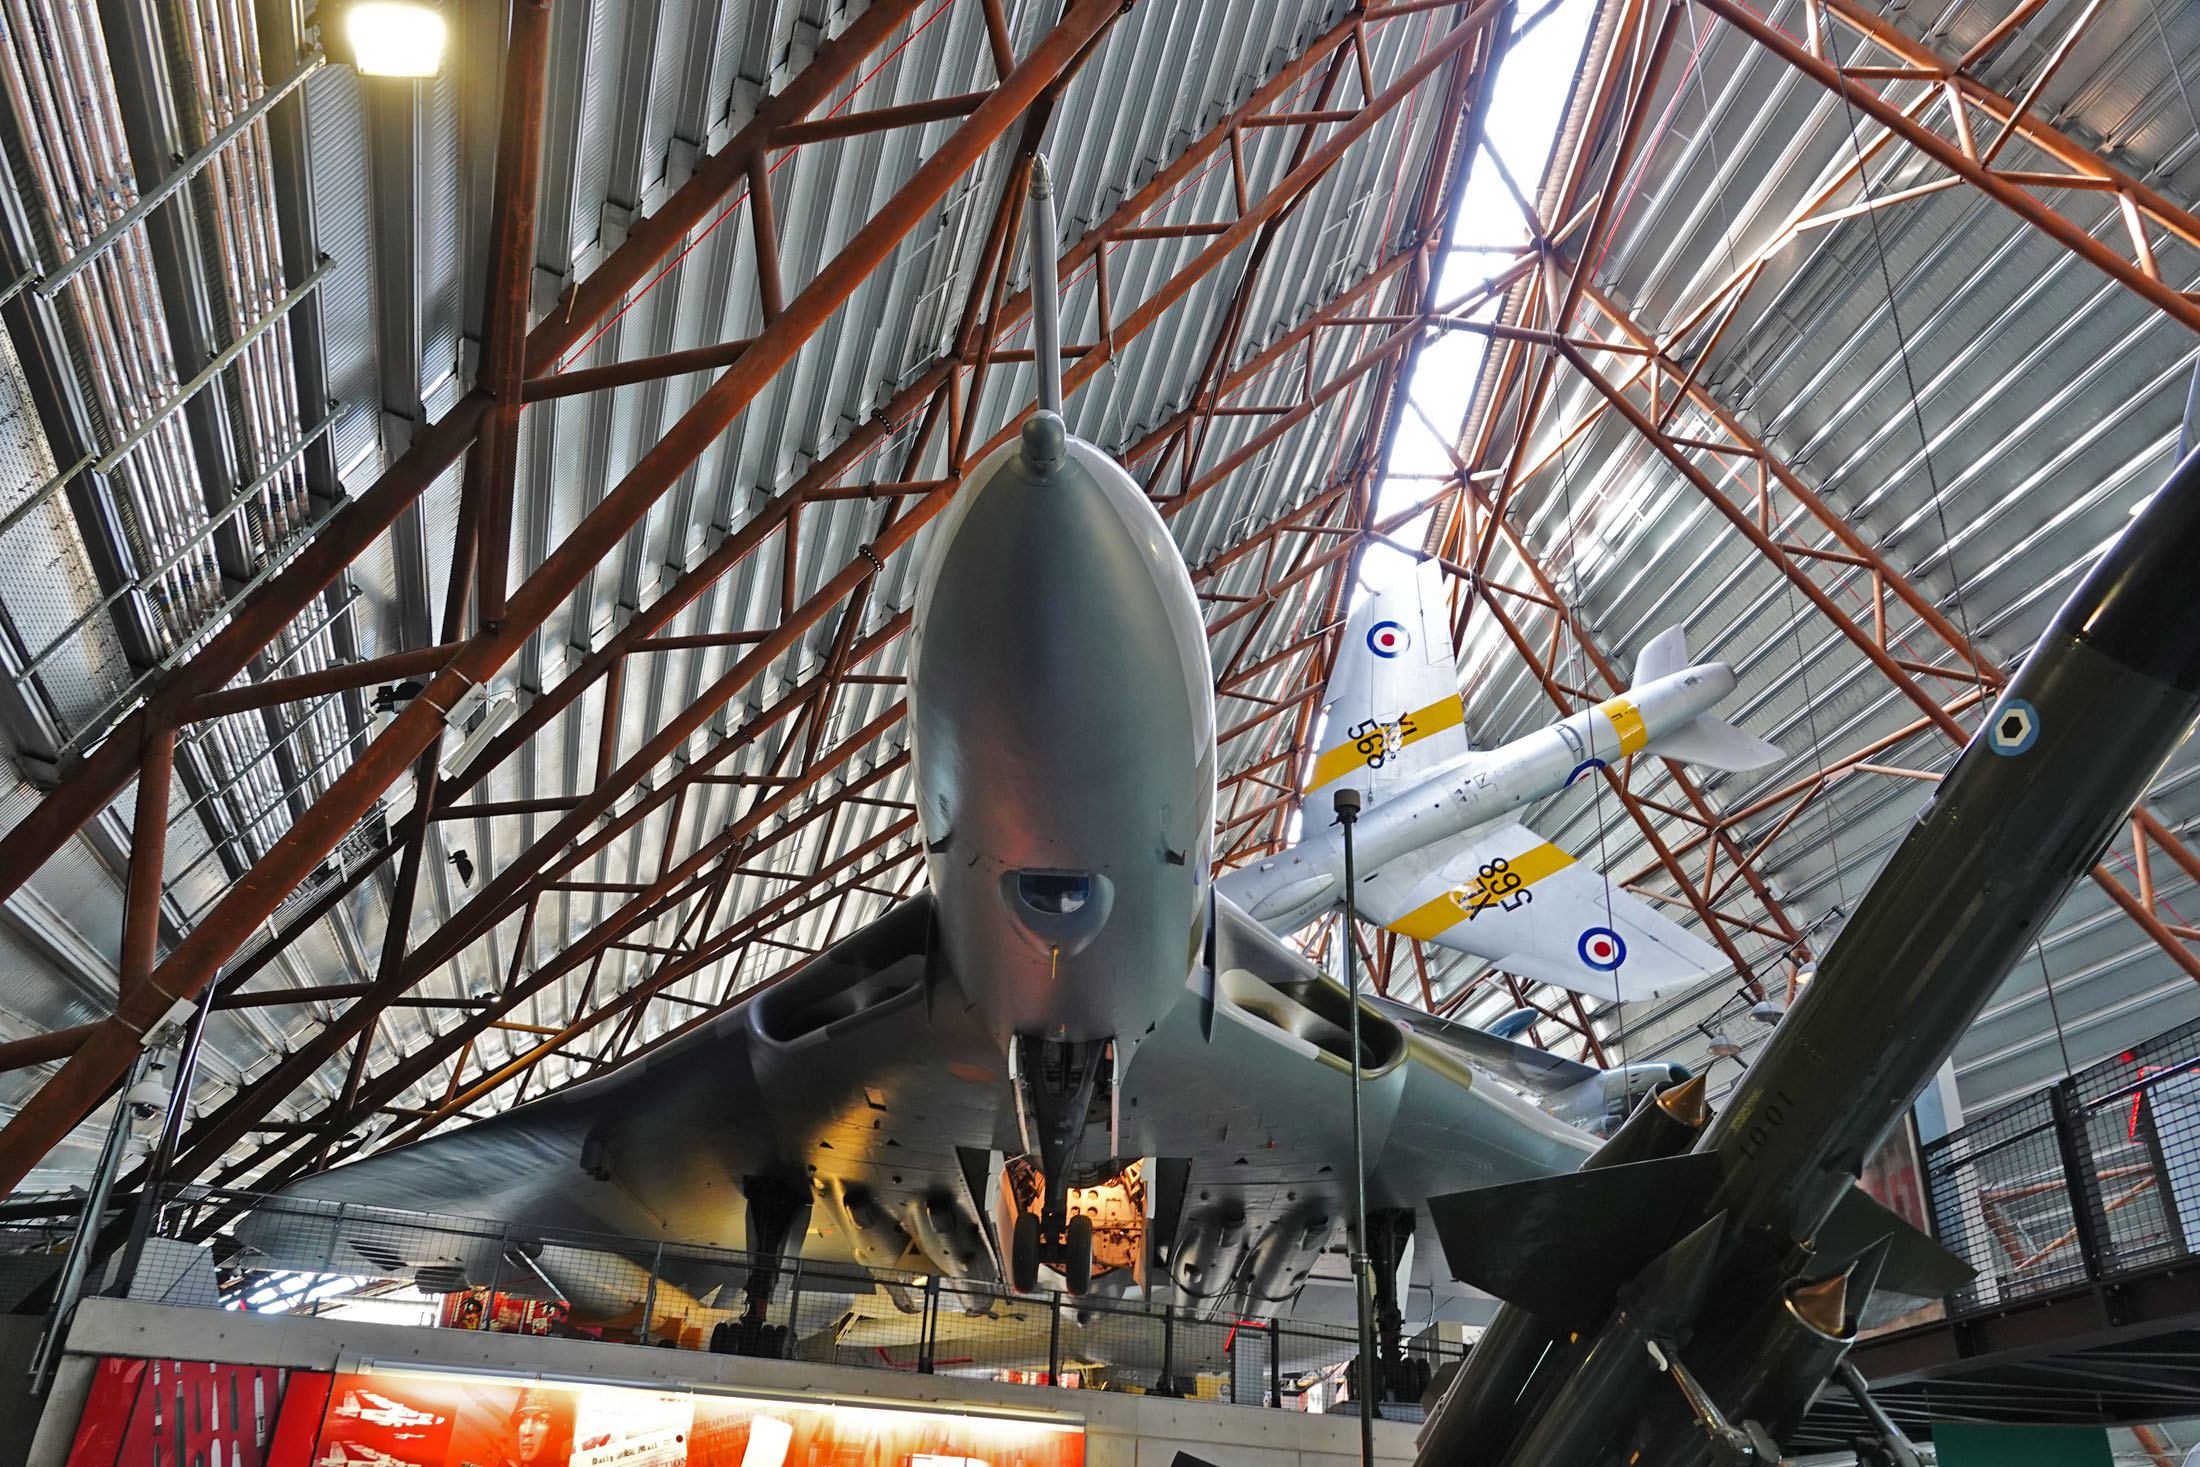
{"x":1063,"y":719}
{"x":1045,"y":443}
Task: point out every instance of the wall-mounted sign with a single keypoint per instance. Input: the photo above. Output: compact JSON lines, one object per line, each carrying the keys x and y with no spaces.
{"x":144,"y":1413}
{"x":177,"y":1413}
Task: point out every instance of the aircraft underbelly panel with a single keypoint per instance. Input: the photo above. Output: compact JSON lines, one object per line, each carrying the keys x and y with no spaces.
{"x":863,"y":1088}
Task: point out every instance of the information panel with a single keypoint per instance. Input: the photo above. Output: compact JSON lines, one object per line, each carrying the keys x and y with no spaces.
{"x":401,"y":1419}
{"x":144,"y":1413}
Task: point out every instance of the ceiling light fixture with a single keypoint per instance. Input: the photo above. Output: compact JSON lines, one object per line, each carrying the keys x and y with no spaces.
{"x":395,"y":38}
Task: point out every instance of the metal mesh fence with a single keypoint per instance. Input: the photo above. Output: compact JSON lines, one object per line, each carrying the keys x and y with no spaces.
{"x":279,"y":1255}
{"x":2095,"y":1177}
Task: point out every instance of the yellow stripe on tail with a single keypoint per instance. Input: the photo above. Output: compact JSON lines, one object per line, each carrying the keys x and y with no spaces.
{"x":1369,"y":745}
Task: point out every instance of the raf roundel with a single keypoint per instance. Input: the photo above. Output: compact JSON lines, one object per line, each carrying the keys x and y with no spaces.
{"x":2014,"y":729}
{"x":1602,"y":949}
{"x":1387,"y":639}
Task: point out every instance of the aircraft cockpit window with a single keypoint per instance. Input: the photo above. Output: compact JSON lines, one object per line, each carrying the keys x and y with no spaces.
{"x":1056,"y":893}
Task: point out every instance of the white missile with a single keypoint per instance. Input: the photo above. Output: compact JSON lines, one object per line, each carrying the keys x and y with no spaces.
{"x":1446,"y":861}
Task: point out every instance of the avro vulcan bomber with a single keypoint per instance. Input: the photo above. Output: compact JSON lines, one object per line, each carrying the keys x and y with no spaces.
{"x":1070,"y":1054}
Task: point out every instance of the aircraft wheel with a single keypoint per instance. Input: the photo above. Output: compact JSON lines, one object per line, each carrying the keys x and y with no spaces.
{"x":1023,"y":1254}
{"x":1077,"y":1266}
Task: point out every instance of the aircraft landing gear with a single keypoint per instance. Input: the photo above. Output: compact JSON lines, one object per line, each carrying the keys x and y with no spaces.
{"x":1077,"y":1254}
{"x":1057,"y":1085}
{"x":745,"y":1336}
{"x":1023,"y":1262}
{"x":1398,"y":1376}
{"x":1070,"y":1251}
{"x":775,"y":1209}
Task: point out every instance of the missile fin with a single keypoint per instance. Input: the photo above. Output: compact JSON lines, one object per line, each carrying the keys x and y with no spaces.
{"x":1713,"y":743}
{"x":1917,"y":1269}
{"x":1662,"y":656}
{"x":1667,"y":1294}
{"x":1561,"y":1247}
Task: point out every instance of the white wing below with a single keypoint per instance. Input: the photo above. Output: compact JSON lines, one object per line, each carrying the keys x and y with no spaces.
{"x":1506,"y":894}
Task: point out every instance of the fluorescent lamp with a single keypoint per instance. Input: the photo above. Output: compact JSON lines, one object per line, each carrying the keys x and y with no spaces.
{"x":503,"y":708}
{"x":395,"y":38}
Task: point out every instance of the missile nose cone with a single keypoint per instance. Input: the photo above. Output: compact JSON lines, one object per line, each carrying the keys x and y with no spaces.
{"x":1686,"y":1102}
{"x":1045,"y":441}
{"x":1823,"y":1306}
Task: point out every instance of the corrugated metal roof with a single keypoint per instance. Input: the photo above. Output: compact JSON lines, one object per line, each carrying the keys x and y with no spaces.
{"x":395,"y":194}
{"x":1981,"y":405}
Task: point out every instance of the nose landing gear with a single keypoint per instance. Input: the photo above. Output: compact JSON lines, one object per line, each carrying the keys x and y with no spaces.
{"x":1058,"y":1085}
{"x":1069,"y":1249}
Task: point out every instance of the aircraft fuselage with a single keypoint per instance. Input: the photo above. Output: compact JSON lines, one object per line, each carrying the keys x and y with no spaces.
{"x":1480,"y":789}
{"x":1064,"y":746}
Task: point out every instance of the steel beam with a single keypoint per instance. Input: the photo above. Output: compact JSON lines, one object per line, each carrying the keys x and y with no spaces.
{"x":511,"y":286}
{"x":70,"y":1094}
{"x":94,"y":781}
{"x":1996,"y":184}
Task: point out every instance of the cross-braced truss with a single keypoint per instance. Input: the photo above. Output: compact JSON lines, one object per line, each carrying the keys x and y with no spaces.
{"x":682,"y":776}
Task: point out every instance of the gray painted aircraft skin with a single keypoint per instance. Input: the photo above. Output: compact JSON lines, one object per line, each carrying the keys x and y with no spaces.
{"x":1064,"y":751}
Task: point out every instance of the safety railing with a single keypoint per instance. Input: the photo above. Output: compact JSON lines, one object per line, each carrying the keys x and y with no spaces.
{"x":2094,"y":1178}
{"x":243,"y":1251}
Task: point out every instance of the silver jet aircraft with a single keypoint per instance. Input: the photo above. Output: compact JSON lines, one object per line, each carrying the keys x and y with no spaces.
{"x":1442,"y":856}
{"x":1070,"y":1024}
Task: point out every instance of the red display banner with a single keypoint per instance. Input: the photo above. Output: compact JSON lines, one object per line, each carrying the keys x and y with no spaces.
{"x":481,"y":1309}
{"x":402,"y":1419}
{"x":177,"y":1413}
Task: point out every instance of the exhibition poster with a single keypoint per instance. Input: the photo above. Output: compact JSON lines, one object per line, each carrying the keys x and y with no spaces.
{"x":144,"y":1413}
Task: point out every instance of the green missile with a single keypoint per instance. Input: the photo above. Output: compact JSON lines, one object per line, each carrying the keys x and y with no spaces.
{"x":2071,"y":744}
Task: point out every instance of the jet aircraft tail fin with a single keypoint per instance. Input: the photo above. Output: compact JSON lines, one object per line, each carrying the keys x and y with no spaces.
{"x":1393,"y":697}
{"x":1710,"y":742}
{"x":1916,"y":1269}
{"x":1707,"y":741}
{"x":1662,"y":656}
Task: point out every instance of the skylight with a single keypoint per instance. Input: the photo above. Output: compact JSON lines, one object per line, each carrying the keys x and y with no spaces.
{"x":1532,"y":89}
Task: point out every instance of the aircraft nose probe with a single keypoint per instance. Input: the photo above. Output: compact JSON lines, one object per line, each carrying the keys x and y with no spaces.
{"x":1046,"y":302}
{"x":1046,"y":437}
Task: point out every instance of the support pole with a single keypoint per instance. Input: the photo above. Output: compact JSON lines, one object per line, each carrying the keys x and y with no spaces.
{"x":179,"y":1103}
{"x":928,"y":1338}
{"x":1054,"y":1338}
{"x":649,"y":1295}
{"x":1347,"y":805}
{"x":81,"y":1246}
